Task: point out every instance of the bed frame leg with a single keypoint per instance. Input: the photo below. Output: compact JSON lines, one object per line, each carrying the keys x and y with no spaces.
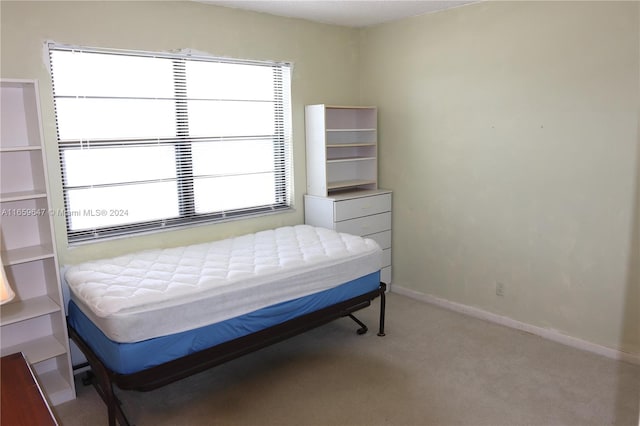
{"x":363,"y":328}
{"x":104,"y":387}
{"x":383,"y":305}
{"x":87,"y":378}
{"x":99,"y":377}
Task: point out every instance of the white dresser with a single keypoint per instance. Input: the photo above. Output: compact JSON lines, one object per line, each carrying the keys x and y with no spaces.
{"x":365,"y":212}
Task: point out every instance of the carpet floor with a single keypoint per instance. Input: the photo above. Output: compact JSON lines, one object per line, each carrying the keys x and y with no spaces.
{"x":434,"y":367}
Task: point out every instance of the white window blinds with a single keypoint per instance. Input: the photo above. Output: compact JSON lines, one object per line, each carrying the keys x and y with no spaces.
{"x":148,"y":141}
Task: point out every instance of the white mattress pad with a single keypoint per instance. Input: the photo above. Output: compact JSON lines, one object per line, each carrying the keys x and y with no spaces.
{"x":158,"y":292}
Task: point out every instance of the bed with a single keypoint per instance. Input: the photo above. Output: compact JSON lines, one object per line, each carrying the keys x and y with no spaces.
{"x":147,"y":319}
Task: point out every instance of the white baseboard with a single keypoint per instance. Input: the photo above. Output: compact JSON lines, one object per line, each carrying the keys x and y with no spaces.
{"x":546,"y":333}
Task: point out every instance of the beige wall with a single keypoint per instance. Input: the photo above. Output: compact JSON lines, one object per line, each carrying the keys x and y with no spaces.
{"x":509,"y":134}
{"x":324,"y":59}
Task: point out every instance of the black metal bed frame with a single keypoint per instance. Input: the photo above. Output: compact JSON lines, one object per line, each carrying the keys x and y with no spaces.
{"x":103,"y":379}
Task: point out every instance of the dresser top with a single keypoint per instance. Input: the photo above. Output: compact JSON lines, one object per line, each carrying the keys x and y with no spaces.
{"x":348,"y":195}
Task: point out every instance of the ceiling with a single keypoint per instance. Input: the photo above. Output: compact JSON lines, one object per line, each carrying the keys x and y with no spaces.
{"x":350,"y":13}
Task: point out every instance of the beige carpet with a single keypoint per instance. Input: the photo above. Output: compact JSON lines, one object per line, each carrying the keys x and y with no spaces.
{"x":434,"y":367}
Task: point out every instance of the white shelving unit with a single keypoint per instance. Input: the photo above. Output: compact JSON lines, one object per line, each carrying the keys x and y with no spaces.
{"x":342,"y":148}
{"x":33,"y":323}
{"x":342,"y":175}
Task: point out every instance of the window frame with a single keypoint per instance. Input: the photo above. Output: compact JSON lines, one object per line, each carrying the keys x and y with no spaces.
{"x":182,"y":142}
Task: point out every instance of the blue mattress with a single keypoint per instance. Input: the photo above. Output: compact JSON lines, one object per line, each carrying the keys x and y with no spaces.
{"x":126,"y":358}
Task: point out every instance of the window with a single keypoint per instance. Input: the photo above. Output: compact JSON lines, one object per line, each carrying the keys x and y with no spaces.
{"x":152,"y":140}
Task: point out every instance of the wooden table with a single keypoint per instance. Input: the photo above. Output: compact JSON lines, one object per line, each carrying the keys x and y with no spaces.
{"x":21,"y":399}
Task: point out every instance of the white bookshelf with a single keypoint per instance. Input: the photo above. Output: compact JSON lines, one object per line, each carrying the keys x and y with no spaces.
{"x":342,"y":148}
{"x":33,"y":323}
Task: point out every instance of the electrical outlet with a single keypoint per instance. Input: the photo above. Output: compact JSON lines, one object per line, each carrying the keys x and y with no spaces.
{"x":499,"y":289}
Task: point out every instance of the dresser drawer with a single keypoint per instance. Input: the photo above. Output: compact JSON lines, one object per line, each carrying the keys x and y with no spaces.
{"x":365,"y":225}
{"x":382,"y":238}
{"x":386,"y":257}
{"x":363,"y":206}
{"x":385,"y":276}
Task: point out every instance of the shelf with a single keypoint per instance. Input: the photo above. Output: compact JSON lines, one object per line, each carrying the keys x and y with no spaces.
{"x":55,"y":387}
{"x":350,"y":130}
{"x":27,"y":254}
{"x":349,"y":183}
{"x":355,"y":107}
{"x":22,"y":195}
{"x":22,"y":310}
{"x":349,"y":145}
{"x":37,"y":350}
{"x":349,"y":159}
{"x":18,"y":148}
